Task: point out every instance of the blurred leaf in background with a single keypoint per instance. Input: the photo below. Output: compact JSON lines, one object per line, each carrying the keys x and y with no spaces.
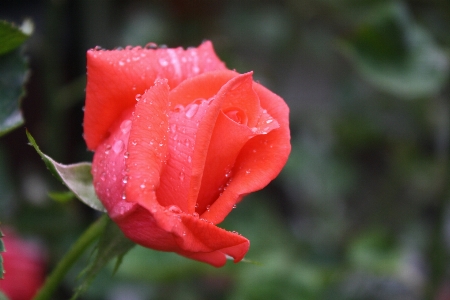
{"x":395,"y":53}
{"x":13,"y":73}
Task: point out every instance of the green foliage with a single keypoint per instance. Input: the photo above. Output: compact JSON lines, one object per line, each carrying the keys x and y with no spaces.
{"x":112,"y":244}
{"x":11,"y":36}
{"x":396,"y":54}
{"x":13,"y":75}
{"x":61,"y":196}
{"x":2,"y":296}
{"x":2,"y":249}
{"x":77,"y":177}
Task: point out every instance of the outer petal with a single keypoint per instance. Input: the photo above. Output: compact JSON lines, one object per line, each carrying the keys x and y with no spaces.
{"x":116,"y":77}
{"x":152,"y":224}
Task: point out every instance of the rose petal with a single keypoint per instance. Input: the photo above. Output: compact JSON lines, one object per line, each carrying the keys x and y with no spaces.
{"x":175,"y":178}
{"x":227,"y":140}
{"x":116,"y":77}
{"x":260,"y":160}
{"x":147,"y":145}
{"x":108,"y":168}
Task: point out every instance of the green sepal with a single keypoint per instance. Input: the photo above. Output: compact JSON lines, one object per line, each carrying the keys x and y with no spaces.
{"x":3,"y":296}
{"x":112,"y":244}
{"x":77,"y":177}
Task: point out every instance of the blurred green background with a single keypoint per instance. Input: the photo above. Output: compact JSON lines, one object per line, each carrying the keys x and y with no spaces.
{"x":361,"y":210}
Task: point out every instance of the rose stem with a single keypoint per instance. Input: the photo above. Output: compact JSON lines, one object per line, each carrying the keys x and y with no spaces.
{"x":83,"y":242}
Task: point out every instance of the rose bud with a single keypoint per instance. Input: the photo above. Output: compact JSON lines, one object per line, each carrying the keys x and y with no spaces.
{"x":24,"y":266}
{"x":179,"y":140}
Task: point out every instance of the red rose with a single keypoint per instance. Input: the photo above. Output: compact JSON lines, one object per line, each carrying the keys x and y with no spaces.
{"x":24,"y":267}
{"x":179,"y":140}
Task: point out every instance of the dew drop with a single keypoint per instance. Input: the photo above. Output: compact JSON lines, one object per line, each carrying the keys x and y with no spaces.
{"x":173,"y":128}
{"x":121,"y":63}
{"x":208,"y":207}
{"x":175,"y":209}
{"x":126,"y":154}
{"x":181,"y":176}
{"x":124,"y":197}
{"x":178,"y":108}
{"x":125,"y":126}
{"x":163,"y":62}
{"x":151,"y":46}
{"x":191,"y":110}
{"x":234,"y":206}
{"x":125,"y":180}
{"x":134,"y":142}
{"x":142,"y":186}
{"x":195,"y":214}
{"x":118,"y":146}
{"x":107,"y":148}
{"x":103,"y":176}
{"x":269,"y":121}
{"x":138,"y":97}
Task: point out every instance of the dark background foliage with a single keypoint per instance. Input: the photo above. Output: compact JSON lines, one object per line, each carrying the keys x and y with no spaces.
{"x":361,"y":209}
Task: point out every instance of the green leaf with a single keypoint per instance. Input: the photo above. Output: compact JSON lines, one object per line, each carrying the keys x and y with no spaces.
{"x":12,"y":37}
{"x":112,"y":244}
{"x":3,"y":296}
{"x":13,"y":74}
{"x":61,"y":196}
{"x":2,"y":249}
{"x":395,"y":54}
{"x":77,"y":177}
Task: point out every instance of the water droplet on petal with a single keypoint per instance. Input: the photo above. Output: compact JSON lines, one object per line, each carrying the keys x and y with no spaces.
{"x":124,"y":197}
{"x":134,"y":142}
{"x":269,"y":121}
{"x":125,"y":179}
{"x":173,"y":128}
{"x":138,"y":97}
{"x":234,"y":206}
{"x":107,"y":148}
{"x":191,"y":110}
{"x":175,"y":209}
{"x":142,"y":186}
{"x":163,"y":62}
{"x":125,"y":126}
{"x":121,"y":63}
{"x":126,"y":154}
{"x":208,"y":207}
{"x":195,"y":215}
{"x":181,"y":176}
{"x":118,"y":146}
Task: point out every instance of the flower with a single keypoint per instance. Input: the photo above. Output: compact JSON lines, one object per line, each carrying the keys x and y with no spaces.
{"x":179,"y":140}
{"x":24,"y":266}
